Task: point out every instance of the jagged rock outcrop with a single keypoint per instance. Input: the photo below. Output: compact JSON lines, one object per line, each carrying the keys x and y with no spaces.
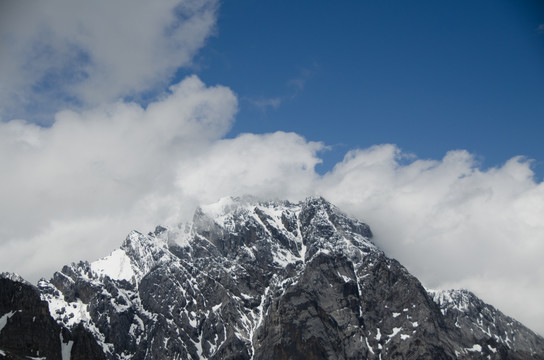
{"x":271,"y":280}
{"x":498,"y":335}
{"x":27,"y":330}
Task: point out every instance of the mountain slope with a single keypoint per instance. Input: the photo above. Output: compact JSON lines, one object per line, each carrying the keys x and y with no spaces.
{"x":27,"y":330}
{"x":248,"y":279}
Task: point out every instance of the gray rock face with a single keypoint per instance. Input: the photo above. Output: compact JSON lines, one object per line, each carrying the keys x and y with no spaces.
{"x":500,"y":336}
{"x":28,"y":331}
{"x":272,"y":280}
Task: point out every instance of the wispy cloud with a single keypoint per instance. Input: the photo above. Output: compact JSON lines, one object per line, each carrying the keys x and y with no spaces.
{"x":264,"y":104}
{"x":540,"y":29}
{"x":295,"y":86}
{"x":299,"y":82}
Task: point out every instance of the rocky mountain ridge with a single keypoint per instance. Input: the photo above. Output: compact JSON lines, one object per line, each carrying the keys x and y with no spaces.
{"x":269,"y":280}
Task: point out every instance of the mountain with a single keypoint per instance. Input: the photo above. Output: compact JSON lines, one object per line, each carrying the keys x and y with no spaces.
{"x":247,"y":279}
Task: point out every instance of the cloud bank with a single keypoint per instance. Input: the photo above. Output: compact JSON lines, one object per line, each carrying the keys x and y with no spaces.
{"x":63,"y":52}
{"x":72,"y":191}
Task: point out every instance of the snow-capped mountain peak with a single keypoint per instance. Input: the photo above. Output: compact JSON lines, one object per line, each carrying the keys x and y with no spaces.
{"x":252,"y":279}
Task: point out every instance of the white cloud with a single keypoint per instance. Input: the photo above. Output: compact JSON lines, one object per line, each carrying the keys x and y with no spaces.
{"x":64,"y":52}
{"x":71,"y":191}
{"x":279,"y":165}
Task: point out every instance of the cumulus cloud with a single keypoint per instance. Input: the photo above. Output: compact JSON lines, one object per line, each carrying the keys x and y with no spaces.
{"x":72,"y":190}
{"x":278,"y":165}
{"x":85,"y":53}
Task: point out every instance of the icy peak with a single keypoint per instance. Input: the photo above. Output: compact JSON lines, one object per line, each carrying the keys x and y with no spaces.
{"x":137,"y":255}
{"x":293,"y":231}
{"x":117,"y":266}
{"x":238,"y":206}
{"x":220,"y":208}
{"x":245,"y":227}
{"x":232,"y":205}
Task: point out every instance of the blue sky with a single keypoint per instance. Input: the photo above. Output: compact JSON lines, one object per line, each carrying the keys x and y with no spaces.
{"x":428,"y":76}
{"x":411,"y":116}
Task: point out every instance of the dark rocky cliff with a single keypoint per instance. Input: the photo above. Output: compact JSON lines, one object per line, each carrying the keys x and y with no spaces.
{"x":27,"y":330}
